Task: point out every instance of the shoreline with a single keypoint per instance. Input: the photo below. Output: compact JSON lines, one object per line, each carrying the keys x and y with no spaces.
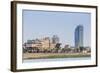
{"x":54,"y":55}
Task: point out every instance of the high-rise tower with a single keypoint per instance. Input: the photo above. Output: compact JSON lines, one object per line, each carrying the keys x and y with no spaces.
{"x":79,"y":36}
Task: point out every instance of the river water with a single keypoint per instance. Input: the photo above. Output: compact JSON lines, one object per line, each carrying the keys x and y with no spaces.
{"x":55,"y":59}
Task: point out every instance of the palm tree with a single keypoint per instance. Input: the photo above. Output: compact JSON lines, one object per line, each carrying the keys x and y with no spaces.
{"x":57,"y":47}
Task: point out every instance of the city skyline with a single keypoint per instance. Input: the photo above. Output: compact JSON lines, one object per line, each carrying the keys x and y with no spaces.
{"x":43,"y":23}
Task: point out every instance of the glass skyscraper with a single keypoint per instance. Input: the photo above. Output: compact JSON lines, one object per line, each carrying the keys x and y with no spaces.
{"x":79,"y":36}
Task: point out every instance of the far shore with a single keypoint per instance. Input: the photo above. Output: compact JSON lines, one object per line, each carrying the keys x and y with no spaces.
{"x":54,"y":55}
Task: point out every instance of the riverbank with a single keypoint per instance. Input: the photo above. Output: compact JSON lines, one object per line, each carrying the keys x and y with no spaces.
{"x":54,"y":55}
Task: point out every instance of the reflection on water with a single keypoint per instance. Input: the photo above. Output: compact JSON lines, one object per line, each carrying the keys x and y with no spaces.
{"x":56,"y":59}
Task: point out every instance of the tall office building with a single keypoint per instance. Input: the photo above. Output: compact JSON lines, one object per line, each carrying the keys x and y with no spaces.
{"x":79,"y":36}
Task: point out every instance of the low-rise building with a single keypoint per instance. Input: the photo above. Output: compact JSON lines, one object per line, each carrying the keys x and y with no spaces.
{"x":44,"y":43}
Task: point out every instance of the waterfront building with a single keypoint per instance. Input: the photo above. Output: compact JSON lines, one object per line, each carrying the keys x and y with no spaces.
{"x":43,"y":43}
{"x":66,"y":46}
{"x":79,"y":36}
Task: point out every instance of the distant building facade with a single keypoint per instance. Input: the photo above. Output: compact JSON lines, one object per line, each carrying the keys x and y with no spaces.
{"x":67,"y":46}
{"x":79,"y":36}
{"x":55,"y":39}
{"x":44,"y":43}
